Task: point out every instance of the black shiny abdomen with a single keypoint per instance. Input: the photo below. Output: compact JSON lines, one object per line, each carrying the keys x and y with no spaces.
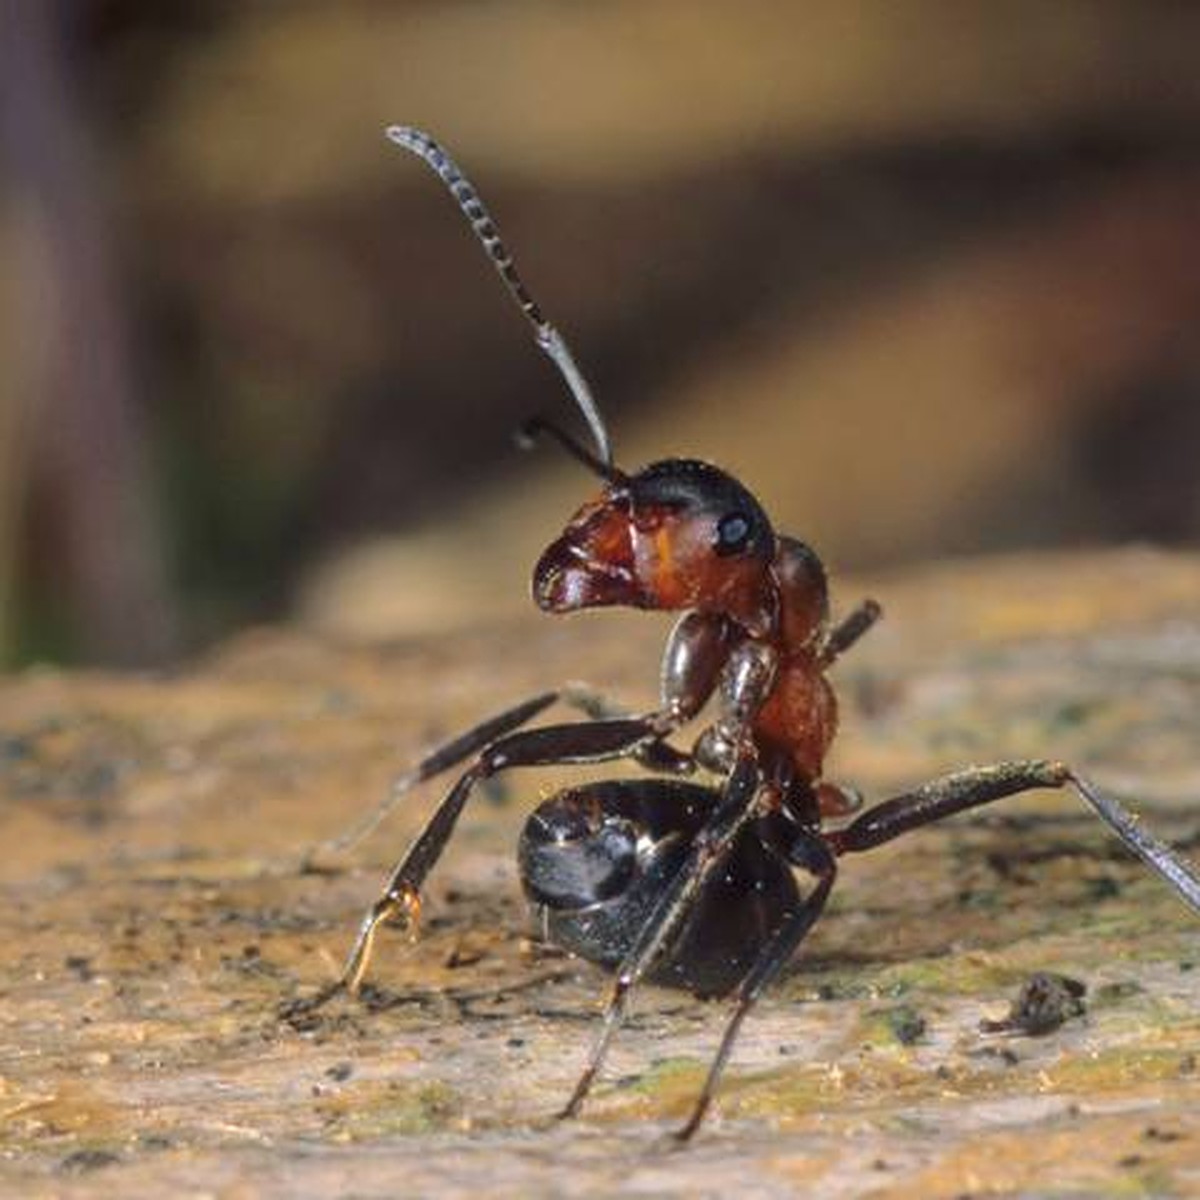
{"x":594,"y":860}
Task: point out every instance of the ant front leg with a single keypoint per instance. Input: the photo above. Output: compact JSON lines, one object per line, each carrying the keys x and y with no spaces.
{"x":967,"y":789}
{"x":448,"y":755}
{"x":576,"y":695}
{"x":710,"y":850}
{"x":583,"y":742}
{"x":657,"y":755}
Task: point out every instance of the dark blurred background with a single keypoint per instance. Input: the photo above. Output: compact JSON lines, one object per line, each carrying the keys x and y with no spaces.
{"x":926,"y":275}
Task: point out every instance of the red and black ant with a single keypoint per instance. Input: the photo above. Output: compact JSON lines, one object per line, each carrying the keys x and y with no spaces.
{"x":687,"y":884}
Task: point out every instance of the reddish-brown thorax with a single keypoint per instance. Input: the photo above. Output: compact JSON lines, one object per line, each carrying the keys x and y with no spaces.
{"x":620,"y":549}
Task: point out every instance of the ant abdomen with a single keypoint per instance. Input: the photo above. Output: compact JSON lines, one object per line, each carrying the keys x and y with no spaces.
{"x":574,"y":853}
{"x":595,"y":859}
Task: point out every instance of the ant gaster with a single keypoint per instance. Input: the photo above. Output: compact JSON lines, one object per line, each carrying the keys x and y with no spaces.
{"x":687,"y":884}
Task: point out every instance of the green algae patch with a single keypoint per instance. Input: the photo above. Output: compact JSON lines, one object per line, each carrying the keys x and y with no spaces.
{"x":391,"y":1108}
{"x":1116,"y":994}
{"x":1120,"y":1070}
{"x":73,"y":1111}
{"x":899,"y":1025}
{"x":948,"y":975}
{"x":799,"y":1094}
{"x":668,"y":1086}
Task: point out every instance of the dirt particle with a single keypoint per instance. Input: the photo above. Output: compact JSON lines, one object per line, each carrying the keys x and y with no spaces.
{"x":82,"y":1161}
{"x":1046,"y":1000}
{"x":906,"y":1024}
{"x":1152,"y":1133}
{"x":80,"y":966}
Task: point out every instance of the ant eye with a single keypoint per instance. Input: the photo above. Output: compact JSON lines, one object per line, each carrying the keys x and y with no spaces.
{"x":733,"y":532}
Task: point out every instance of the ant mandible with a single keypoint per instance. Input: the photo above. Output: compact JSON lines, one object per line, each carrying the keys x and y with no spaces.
{"x":686,"y":884}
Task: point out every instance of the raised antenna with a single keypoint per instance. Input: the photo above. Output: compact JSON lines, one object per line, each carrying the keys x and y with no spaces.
{"x":529,"y":431}
{"x":548,"y":338}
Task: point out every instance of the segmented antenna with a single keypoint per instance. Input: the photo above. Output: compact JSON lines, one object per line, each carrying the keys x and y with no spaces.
{"x":547,"y":337}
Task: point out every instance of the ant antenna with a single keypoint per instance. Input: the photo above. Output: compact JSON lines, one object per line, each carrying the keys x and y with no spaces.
{"x":547,"y":337}
{"x":530,"y":430}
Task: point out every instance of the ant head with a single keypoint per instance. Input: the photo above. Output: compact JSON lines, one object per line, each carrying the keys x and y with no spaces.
{"x":680,"y":534}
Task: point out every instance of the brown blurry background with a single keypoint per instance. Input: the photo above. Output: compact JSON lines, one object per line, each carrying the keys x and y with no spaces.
{"x":926,"y":276}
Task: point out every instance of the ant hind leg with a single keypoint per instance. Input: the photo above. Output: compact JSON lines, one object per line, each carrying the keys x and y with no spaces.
{"x":773,"y":957}
{"x":848,"y":630}
{"x":974,"y":786}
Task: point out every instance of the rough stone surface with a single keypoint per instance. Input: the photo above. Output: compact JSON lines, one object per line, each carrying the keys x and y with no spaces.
{"x":155,"y":919}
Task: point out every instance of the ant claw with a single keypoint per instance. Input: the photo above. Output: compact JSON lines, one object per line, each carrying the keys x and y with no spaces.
{"x":303,"y":1007}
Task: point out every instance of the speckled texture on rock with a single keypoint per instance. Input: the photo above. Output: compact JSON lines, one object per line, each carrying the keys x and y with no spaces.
{"x":154,"y":920}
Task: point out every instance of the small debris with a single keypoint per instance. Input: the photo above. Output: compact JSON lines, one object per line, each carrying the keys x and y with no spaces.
{"x":463,"y":956}
{"x":1152,"y":1133}
{"x":906,"y":1024}
{"x":1000,"y":1055}
{"x":82,"y":1161}
{"x":1102,"y":887}
{"x":897,"y":1024}
{"x":81,"y":966}
{"x":15,"y":749}
{"x":1046,"y":1000}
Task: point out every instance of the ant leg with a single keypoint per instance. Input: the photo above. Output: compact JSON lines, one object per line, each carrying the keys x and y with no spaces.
{"x":657,"y":755}
{"x":709,"y":852}
{"x":813,"y":856}
{"x":448,"y":755}
{"x":664,"y":759}
{"x":1155,"y":853}
{"x":590,"y":741}
{"x":980,"y":785}
{"x":848,"y":630}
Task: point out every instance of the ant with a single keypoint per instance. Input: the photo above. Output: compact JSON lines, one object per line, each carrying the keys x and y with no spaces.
{"x":690,"y":885}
